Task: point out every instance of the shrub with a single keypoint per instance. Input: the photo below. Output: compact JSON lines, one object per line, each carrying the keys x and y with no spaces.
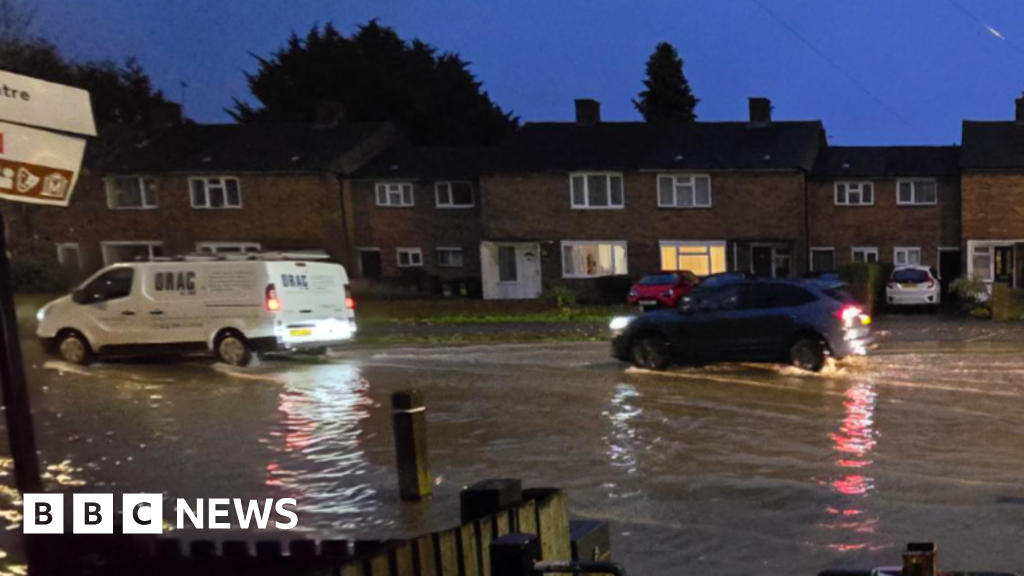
{"x":561,"y":297}
{"x":970,"y":290}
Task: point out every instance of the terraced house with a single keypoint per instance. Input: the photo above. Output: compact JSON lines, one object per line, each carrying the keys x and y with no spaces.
{"x":568,"y":203}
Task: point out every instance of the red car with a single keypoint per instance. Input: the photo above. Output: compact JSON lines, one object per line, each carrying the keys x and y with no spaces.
{"x":661,"y":289}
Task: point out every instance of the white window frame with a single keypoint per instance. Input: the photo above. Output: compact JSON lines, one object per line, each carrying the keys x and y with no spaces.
{"x":147,"y":202}
{"x":450,"y":204}
{"x":218,"y":182}
{"x":462,"y":256}
{"x":832,"y":249}
{"x":418,"y":252}
{"x":908,"y":249}
{"x":913,"y":191}
{"x":149,"y":243}
{"x":70,"y":246}
{"x":586,"y":190}
{"x":866,"y":250}
{"x":677,"y":183}
{"x":612,"y":243}
{"x":245,"y":247}
{"x":708,"y":244}
{"x":850,"y":187}
{"x":397,"y":187}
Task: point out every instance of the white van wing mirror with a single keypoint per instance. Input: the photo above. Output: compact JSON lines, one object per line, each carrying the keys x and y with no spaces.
{"x":80,"y":296}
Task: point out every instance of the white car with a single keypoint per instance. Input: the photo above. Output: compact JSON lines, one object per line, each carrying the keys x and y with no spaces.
{"x":233,"y":306}
{"x":913,"y":286}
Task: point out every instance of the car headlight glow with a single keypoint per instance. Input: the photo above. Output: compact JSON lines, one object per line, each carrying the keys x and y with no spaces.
{"x":41,"y":314}
{"x":620,"y":322}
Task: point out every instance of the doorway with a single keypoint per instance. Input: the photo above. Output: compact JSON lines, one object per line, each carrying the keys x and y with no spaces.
{"x":1002,"y":266}
{"x":762,"y":262}
{"x":370,"y":264}
{"x":950,"y":268}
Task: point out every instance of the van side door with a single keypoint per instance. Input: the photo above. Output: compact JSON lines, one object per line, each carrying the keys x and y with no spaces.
{"x":109,"y":308}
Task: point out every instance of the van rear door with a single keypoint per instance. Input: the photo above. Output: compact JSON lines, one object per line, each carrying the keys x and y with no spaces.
{"x":311,"y":296}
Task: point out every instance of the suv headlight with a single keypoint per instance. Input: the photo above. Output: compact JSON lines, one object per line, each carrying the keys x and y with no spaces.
{"x":620,"y":323}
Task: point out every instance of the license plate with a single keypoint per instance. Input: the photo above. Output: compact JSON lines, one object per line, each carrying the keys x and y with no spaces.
{"x":908,"y":285}
{"x":648,"y":302}
{"x":301,"y":332}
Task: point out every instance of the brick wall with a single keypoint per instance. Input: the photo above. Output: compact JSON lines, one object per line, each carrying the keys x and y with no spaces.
{"x":993,"y":206}
{"x":884,"y":225}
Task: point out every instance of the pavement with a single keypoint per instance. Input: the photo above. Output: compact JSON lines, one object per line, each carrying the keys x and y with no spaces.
{"x":725,"y":469}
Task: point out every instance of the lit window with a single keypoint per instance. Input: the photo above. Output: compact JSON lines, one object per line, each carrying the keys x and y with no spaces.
{"x":593,"y":259}
{"x":684,"y":191}
{"x":855,"y":194}
{"x":701,"y":258}
{"x":394,"y":194}
{"x":597,"y":191}
{"x":216,"y":193}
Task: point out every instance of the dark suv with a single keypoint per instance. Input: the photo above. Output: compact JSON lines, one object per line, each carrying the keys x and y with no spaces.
{"x":799,"y":321}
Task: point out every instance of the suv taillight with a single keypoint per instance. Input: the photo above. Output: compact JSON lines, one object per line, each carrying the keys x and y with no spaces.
{"x":851,"y":314}
{"x":271,"y":301}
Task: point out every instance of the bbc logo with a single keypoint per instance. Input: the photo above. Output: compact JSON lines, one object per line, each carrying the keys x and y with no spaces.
{"x":93,"y":514}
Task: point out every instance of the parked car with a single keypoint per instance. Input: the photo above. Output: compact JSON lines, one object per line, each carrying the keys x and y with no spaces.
{"x":661,"y":289}
{"x":913,"y":286}
{"x":723,"y":278}
{"x":235,"y":307}
{"x":755,"y":320}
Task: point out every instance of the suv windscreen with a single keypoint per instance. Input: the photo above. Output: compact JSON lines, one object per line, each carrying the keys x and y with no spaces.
{"x":910,"y":276}
{"x":659,"y":279}
{"x":110,"y":286}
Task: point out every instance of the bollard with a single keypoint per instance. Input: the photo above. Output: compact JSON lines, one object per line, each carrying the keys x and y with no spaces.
{"x":920,"y":559}
{"x":514,"y":555}
{"x":410,"y":423}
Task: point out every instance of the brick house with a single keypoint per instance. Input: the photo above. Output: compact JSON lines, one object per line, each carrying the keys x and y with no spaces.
{"x":992,"y":184}
{"x":417,"y":214}
{"x":209,"y":189}
{"x":892,"y":204}
{"x":569,"y":203}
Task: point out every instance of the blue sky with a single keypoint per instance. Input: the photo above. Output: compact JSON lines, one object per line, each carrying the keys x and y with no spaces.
{"x":875,"y":71}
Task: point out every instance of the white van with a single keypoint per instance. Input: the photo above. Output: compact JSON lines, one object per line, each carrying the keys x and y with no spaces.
{"x":233,"y":306}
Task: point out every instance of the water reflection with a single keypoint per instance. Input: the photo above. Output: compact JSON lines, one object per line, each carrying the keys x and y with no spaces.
{"x":854,"y":442}
{"x":624,"y":444}
{"x":319,"y":444}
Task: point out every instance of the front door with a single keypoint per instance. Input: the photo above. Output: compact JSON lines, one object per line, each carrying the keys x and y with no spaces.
{"x":762,"y":260}
{"x":369,"y":264}
{"x":1003,"y":264}
{"x":510,"y":271}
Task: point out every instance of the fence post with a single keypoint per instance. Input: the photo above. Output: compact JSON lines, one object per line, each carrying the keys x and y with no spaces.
{"x":410,"y":425}
{"x":514,"y":555}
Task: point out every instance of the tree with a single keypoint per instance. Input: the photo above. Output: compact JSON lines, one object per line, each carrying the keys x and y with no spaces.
{"x":376,"y":76}
{"x":668,"y":95}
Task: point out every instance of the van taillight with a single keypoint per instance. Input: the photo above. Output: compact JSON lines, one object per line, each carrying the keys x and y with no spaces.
{"x":350,"y":303}
{"x":273,"y":304}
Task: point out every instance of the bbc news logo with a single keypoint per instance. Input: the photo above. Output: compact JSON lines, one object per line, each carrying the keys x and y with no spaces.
{"x":143,"y":513}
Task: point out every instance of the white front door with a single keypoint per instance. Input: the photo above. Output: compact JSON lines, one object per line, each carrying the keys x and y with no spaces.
{"x":510,"y":271}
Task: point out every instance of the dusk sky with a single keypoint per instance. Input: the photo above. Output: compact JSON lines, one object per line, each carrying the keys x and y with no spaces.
{"x":875,"y":71}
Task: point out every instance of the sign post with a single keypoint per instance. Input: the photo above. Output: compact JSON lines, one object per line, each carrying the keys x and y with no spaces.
{"x":37,"y":167}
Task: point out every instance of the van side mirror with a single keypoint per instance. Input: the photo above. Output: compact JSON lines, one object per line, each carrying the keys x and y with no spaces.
{"x":80,"y":296}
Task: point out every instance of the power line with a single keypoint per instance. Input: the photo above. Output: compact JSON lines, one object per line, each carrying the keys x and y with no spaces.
{"x":963,"y":10}
{"x":796,"y":34}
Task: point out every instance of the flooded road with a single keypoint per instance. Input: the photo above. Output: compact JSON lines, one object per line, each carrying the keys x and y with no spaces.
{"x":720,"y":470}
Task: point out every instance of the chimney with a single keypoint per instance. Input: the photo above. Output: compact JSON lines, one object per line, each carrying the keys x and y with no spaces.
{"x":329,"y":112}
{"x":588,"y":112}
{"x":1020,"y":109}
{"x":760,"y":111}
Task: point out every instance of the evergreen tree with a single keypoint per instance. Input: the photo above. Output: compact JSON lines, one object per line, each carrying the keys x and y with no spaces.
{"x":377,"y":76}
{"x":668,"y":95}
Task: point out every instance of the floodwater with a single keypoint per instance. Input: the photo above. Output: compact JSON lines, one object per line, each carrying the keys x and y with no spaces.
{"x":729,"y":469}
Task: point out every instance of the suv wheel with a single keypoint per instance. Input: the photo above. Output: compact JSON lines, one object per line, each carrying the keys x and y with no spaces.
{"x":808,"y":354}
{"x":651,"y":353}
{"x":73,"y":348}
{"x":233,"y":349}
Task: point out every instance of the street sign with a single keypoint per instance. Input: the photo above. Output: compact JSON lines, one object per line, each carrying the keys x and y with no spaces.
{"x":44,"y":104}
{"x":38,"y":167}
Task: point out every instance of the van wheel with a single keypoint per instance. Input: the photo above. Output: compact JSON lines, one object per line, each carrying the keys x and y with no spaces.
{"x":808,"y":354}
{"x":651,"y":353}
{"x":234,"y":349}
{"x":73,"y":348}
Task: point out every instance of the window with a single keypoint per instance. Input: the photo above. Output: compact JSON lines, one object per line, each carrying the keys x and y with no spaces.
{"x":394,"y":194}
{"x":684,"y":191}
{"x":597,"y":191}
{"x":508,"y":269}
{"x":410,"y":257}
{"x":916,"y":192}
{"x":865,"y":255}
{"x":907,"y":256}
{"x":68,"y":256}
{"x":112,"y":285}
{"x":114,"y":252}
{"x":126,"y":193}
{"x":216,"y":193}
{"x":720,"y":299}
{"x":855,"y":194}
{"x":981,"y":263}
{"x":593,"y":259}
{"x":449,"y":257}
{"x":775,"y":296}
{"x":700,"y":258}
{"x":227,"y":247}
{"x":454,"y":194}
{"x":823,"y":259}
